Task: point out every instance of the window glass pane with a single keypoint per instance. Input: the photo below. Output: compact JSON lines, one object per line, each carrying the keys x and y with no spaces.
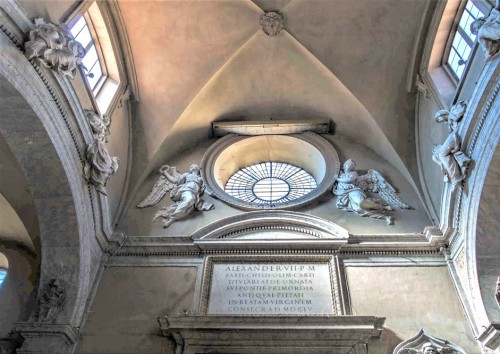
{"x":3,"y":274}
{"x":270,"y":183}
{"x":84,"y":37}
{"x":78,"y":26}
{"x":97,"y":71}
{"x":90,"y":58}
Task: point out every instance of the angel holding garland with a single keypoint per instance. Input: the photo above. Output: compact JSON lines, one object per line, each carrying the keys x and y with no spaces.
{"x":351,"y":191}
{"x":185,"y":191}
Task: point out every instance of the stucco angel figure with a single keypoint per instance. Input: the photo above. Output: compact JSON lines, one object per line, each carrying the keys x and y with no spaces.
{"x":453,"y":162}
{"x":185,"y":191}
{"x":351,"y":190}
{"x":488,"y":32}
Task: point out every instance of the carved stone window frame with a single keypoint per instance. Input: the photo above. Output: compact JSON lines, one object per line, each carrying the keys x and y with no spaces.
{"x":108,"y":45}
{"x":327,"y":151}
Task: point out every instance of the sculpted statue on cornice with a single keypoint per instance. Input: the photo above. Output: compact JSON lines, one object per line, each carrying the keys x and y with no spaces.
{"x":425,"y":343}
{"x":51,"y":301}
{"x":351,"y":191}
{"x":453,"y":162}
{"x":54,"y":47}
{"x":99,"y":165}
{"x":185,"y":191}
{"x":488,"y":31}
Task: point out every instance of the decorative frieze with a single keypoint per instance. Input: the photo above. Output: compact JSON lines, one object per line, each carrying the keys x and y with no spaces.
{"x":99,"y":164}
{"x":54,"y":47}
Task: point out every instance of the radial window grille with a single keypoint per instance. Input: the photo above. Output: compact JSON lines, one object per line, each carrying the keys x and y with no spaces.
{"x":463,"y":40}
{"x":3,"y":274}
{"x":270,"y":183}
{"x":91,"y":61}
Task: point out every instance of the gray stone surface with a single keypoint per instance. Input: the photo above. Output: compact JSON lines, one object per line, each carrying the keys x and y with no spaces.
{"x":123,"y":317}
{"x":410,"y":298}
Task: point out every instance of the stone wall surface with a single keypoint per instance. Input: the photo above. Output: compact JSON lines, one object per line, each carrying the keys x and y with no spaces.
{"x":123,"y":317}
{"x":410,"y":298}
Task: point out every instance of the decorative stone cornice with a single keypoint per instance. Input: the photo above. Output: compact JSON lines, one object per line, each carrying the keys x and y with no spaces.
{"x":338,"y":334}
{"x":45,"y":338}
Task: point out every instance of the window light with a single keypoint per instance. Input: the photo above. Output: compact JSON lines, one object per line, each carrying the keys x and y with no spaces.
{"x":463,"y":40}
{"x":270,"y":183}
{"x":91,"y":61}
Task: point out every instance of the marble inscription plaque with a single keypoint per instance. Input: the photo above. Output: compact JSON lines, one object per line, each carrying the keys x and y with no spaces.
{"x":271,"y":289}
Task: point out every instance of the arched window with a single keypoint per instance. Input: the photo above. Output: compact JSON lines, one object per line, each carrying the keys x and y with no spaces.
{"x":4,"y":267}
{"x":102,"y":73}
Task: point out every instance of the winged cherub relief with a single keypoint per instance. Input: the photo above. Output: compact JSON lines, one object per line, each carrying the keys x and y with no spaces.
{"x":185,"y":191}
{"x":351,"y":191}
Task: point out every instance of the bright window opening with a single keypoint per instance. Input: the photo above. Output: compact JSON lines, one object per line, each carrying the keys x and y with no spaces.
{"x":270,"y":183}
{"x":3,"y":274}
{"x":463,"y":40}
{"x":80,"y":30}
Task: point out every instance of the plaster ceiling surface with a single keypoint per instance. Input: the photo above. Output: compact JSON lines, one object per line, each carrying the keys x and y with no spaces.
{"x":203,"y":61}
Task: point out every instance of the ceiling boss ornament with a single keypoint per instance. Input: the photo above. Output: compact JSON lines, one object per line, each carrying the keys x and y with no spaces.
{"x":271,"y":23}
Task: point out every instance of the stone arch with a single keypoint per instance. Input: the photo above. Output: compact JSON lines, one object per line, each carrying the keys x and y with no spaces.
{"x":32,"y":126}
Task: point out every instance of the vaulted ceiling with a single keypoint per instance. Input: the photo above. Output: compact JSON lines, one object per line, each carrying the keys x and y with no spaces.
{"x":204,"y":61}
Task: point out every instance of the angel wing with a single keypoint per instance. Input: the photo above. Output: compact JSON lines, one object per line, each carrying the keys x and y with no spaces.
{"x":161,"y":187}
{"x":378,"y":184}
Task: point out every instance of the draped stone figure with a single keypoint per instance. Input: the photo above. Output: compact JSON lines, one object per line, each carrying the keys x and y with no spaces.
{"x":99,"y":165}
{"x":54,"y":47}
{"x":488,"y":32}
{"x":185,"y":191}
{"x":453,"y":162}
{"x":351,"y":191}
{"x":51,"y":301}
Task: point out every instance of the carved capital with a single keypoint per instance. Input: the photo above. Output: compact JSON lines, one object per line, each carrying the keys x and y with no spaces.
{"x":54,"y":47}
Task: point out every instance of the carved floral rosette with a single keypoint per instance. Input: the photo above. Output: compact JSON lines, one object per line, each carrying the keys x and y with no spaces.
{"x":425,"y":343}
{"x":54,"y":47}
